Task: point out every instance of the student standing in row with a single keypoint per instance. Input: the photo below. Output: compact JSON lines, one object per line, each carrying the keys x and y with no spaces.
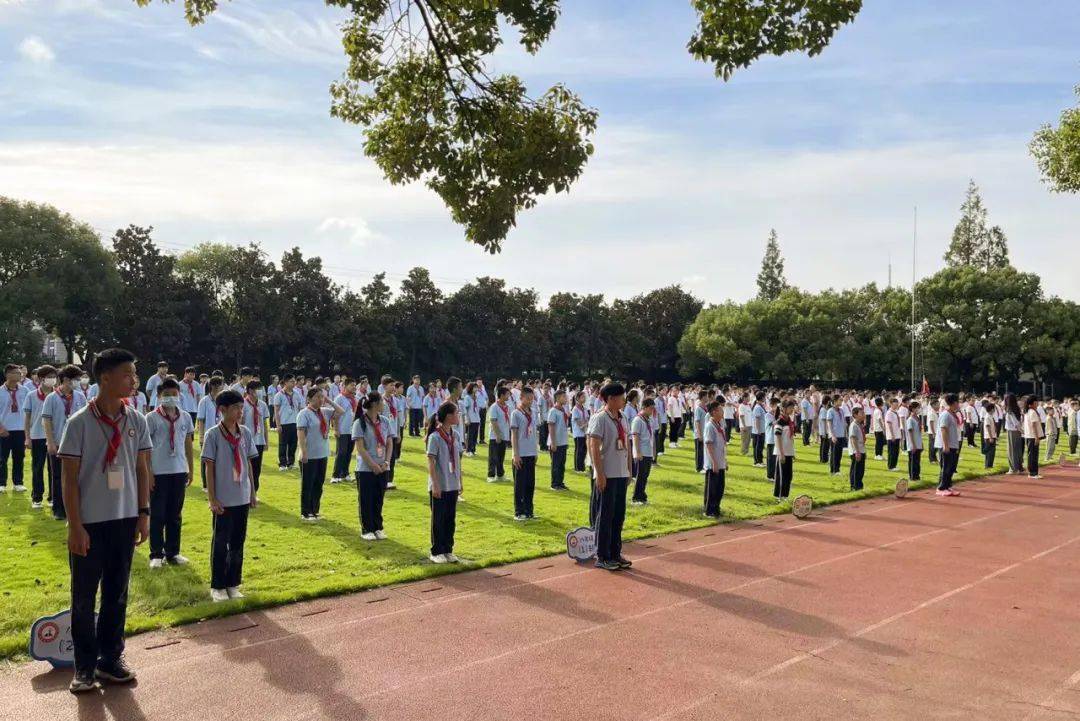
{"x":837,"y":435}
{"x":414,"y":399}
{"x":806,"y":406}
{"x":444,"y":481}
{"x":856,"y":449}
{"x":757,"y":429}
{"x":287,"y":405}
{"x":499,"y":434}
{"x":948,"y":439}
{"x":172,"y":464}
{"x":191,"y":393}
{"x":1071,"y":425}
{"x":524,"y":441}
{"x":60,"y":405}
{"x":227,"y":452}
{"x":1033,"y":433}
{"x":877,"y":427}
{"x":154,"y":381}
{"x":1052,"y":430}
{"x":824,"y":444}
{"x":784,"y":432}
{"x":472,"y":418}
{"x":257,"y":419}
{"x":482,"y":403}
{"x":715,"y":458}
{"x":931,"y":428}
{"x":35,"y":434}
{"x":644,"y":438}
{"x":313,"y":445}
{"x":1014,"y":433}
{"x":610,"y":451}
{"x":106,"y":480}
{"x":12,"y":432}
{"x":893,"y":432}
{"x":374,"y":441}
{"x":772,"y":410}
{"x":348,"y":403}
{"x":558,"y":422}
{"x":579,"y":421}
{"x":914,"y":442}
{"x":989,"y":433}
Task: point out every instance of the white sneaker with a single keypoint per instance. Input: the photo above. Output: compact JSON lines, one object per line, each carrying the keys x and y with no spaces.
{"x":20,"y":489}
{"x":282,"y":468}
{"x":521,"y":518}
{"x":391,"y":484}
{"x":217,"y":595}
{"x":36,"y":504}
{"x":441,"y":558}
{"x":380,"y":535}
{"x":179,"y":560}
{"x":879,"y":458}
{"x":491,"y":479}
{"x":234,"y":592}
{"x":369,"y":536}
{"x":451,"y":558}
{"x":156,"y":562}
{"x":310,"y":519}
{"x":335,"y":480}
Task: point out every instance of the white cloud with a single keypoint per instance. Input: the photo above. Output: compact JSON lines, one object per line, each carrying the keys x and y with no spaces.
{"x":353,"y":229}
{"x":35,"y":50}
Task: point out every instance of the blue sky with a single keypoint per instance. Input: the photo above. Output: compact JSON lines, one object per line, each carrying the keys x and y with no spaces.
{"x":222,"y":132}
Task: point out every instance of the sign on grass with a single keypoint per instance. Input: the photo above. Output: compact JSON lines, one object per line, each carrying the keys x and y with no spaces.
{"x":581,"y":544}
{"x":802,"y":506}
{"x":50,"y":640}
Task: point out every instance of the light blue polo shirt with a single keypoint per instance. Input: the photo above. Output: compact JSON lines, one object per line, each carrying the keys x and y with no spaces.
{"x":317,"y":445}
{"x":230,"y":489}
{"x":559,"y":438}
{"x":169,"y":458}
{"x":528,"y":436}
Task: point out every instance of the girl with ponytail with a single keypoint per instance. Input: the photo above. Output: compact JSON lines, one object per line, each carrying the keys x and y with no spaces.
{"x":373,"y":441}
{"x":444,"y":453}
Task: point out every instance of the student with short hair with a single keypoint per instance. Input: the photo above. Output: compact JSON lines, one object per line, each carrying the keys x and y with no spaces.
{"x":172,"y":464}
{"x":444,"y":481}
{"x":610,"y":450}
{"x":257,"y":419}
{"x":1052,"y":430}
{"x":1033,"y":433}
{"x":524,"y":444}
{"x":931,"y":428}
{"x":772,"y":413}
{"x":837,"y":434}
{"x":823,"y":429}
{"x":700,"y":417}
{"x":558,"y":422}
{"x":287,"y":405}
{"x":431,"y":403}
{"x":893,"y":432}
{"x":350,"y":405}
{"x":757,"y":428}
{"x":106,"y":487}
{"x":313,"y":448}
{"x":59,"y":406}
{"x":191,"y":393}
{"x":12,"y":432}
{"x":483,"y":402}
{"x":784,"y":431}
{"x":33,"y":406}
{"x":856,"y":449}
{"x":1072,"y":423}
{"x":715,"y":457}
{"x":877,"y":427}
{"x":989,"y":433}
{"x":227,"y":452}
{"x":643,"y":435}
{"x":579,"y":425}
{"x":807,"y":412}
{"x":949,"y":435}
{"x":470,"y":408}
{"x":414,"y":398}
{"x":373,"y":440}
{"x":913,"y":434}
{"x":499,"y":434}
{"x":153,"y":382}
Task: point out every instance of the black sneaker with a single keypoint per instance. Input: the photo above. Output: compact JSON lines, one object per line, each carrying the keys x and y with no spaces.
{"x":114,"y":671}
{"x":622,"y":562}
{"x":83,"y":681}
{"x":607,"y":565}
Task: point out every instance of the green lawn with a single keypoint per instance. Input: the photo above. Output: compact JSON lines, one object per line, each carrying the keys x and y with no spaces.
{"x":288,"y":560}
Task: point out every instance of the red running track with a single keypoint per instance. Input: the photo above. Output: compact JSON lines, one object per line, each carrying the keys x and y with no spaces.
{"x":925,"y":608}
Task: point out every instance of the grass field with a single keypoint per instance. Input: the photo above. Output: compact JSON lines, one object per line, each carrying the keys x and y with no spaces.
{"x":289,"y":560}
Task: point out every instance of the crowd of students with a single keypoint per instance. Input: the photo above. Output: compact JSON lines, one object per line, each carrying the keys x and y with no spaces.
{"x":115,"y":462}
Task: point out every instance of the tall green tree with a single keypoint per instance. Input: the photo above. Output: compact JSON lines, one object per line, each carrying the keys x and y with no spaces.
{"x":1057,"y":151}
{"x":770,"y":279}
{"x":420,"y":326}
{"x":649,"y":327}
{"x":973,"y":242}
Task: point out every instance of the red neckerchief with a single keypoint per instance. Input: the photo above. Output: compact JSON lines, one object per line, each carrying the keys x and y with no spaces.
{"x":619,"y":426}
{"x":191,"y":388}
{"x":234,"y":443}
{"x":289,"y":398}
{"x":389,"y":401}
{"x":12,"y":394}
{"x":323,"y":427}
{"x":172,"y":427}
{"x":448,"y":439}
{"x":528,"y":421}
{"x":566,"y":417}
{"x":505,"y":410}
{"x":719,"y":429}
{"x":116,"y":438}
{"x":352,"y":401}
{"x":68,"y":401}
{"x":40,"y":395}
{"x":648,"y":424}
{"x":377,"y":427}
{"x":254,"y":413}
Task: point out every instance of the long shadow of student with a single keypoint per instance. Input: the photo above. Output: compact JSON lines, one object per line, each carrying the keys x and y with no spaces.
{"x":539,"y":595}
{"x":725,"y":565}
{"x":108,"y":702}
{"x":768,"y":614}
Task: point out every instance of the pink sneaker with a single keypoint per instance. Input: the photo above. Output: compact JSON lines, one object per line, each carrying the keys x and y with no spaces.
{"x":953,"y":492}
{"x":944,"y":493}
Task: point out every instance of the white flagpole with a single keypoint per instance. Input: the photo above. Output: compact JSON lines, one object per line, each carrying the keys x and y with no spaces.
{"x":914,"y":251}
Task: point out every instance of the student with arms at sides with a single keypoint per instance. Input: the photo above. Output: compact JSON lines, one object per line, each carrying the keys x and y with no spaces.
{"x":893,"y":432}
{"x":715,"y":458}
{"x":558,"y":422}
{"x":1014,"y":433}
{"x":823,"y":429}
{"x":191,"y":393}
{"x":414,"y":399}
{"x":208,"y":416}
{"x":877,"y":427}
{"x":257,"y":419}
{"x":153,"y":382}
{"x":313,"y":448}
{"x":60,"y":405}
{"x":172,"y":464}
{"x":373,"y":441}
{"x":579,"y":424}
{"x":990,"y":434}
{"x":659,"y":397}
{"x":806,"y":407}
{"x":482,"y":403}
{"x":349,"y":404}
{"x":949,"y":436}
{"x":1033,"y":433}
{"x":772,"y":413}
{"x":857,"y":449}
{"x":105,"y":452}
{"x":524,"y":444}
{"x":837,"y":434}
{"x":431,"y":403}
{"x":35,"y":434}
{"x":1071,"y":420}
{"x":609,"y":446}
{"x":784,"y":432}
{"x":913,"y":433}
{"x":643,"y":437}
{"x":13,"y":396}
{"x":499,"y":434}
{"x":757,"y":428}
{"x":444,"y":481}
{"x":1052,"y":430}
{"x":227,"y":455}
{"x":931,"y":427}
{"x":287,"y":405}
{"x":700,"y":418}
{"x":675,"y":411}
{"x":469,"y":407}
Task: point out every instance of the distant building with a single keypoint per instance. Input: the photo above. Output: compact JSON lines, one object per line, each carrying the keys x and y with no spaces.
{"x":54,"y":350}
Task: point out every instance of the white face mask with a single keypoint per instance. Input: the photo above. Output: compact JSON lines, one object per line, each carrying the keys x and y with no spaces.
{"x":85,"y":382}
{"x":49,"y":382}
{"x":170,"y":401}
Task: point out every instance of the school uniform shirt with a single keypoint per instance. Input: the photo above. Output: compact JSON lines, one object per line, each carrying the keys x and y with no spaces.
{"x":784,"y":434}
{"x":629,"y":413}
{"x":615,"y":460}
{"x":823,"y":423}
{"x":715,"y":442}
{"x":914,"y":434}
{"x":989,"y":427}
{"x":92,"y":392}
{"x":701,"y":417}
{"x":528,"y":436}
{"x":137,"y":401}
{"x":446,"y":450}
{"x":836,"y":423}
{"x":257,"y":426}
{"x":481,"y":398}
{"x":34,"y":404}
{"x":892,"y":425}
{"x":877,"y":421}
{"x":1041,"y":413}
{"x":807,"y":409}
{"x":232,"y":487}
{"x":191,"y":392}
{"x":290,"y":404}
{"x":430,"y":405}
{"x":561,"y":419}
{"x":1032,"y":425}
{"x":363,"y":428}
{"x":770,"y":420}
{"x":11,"y":407}
{"x":402,"y":412}
{"x":468,"y":407}
{"x":208,"y":413}
{"x":856,"y":439}
{"x":152,"y":384}
{"x":349,"y":406}
{"x":169,"y":454}
{"x":579,"y":421}
{"x":661,"y":411}
{"x":318,"y":445}
{"x":948,"y":433}
{"x":414,"y":396}
{"x":642,"y":428}
{"x":757,"y":419}
{"x":499,"y":422}
{"x":86,"y":437}
{"x":59,"y":409}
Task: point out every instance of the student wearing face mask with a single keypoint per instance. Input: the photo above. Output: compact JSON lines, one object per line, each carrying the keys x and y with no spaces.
{"x":172,"y":465}
{"x":35,"y":434}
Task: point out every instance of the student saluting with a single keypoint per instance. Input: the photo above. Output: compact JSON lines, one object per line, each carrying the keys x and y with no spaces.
{"x":105,"y":451}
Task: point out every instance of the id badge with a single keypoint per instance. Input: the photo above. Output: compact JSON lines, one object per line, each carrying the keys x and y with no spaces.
{"x":380,"y":451}
{"x":620,"y":445}
{"x":116,"y":479}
